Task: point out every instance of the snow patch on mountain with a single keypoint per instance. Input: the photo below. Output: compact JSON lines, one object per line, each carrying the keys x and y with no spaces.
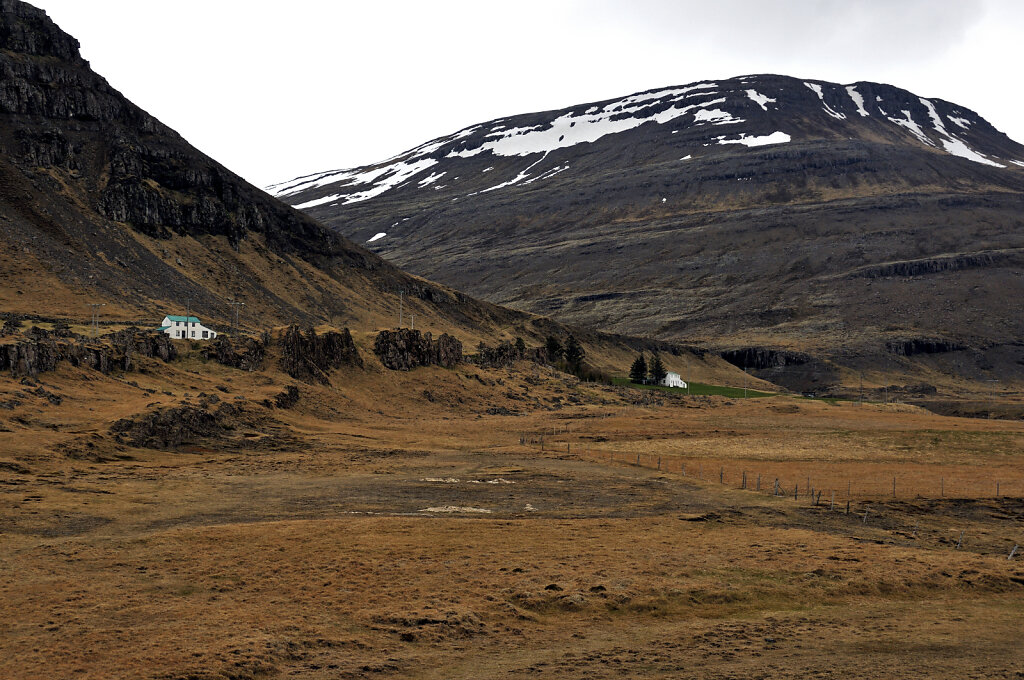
{"x":618,"y":116}
{"x":433,"y":177}
{"x":857,"y":99}
{"x":953,"y":144}
{"x":910,"y":124}
{"x":716,"y":117}
{"x":762,"y":100}
{"x":389,"y":176}
{"x":776,"y":137}
{"x":821,"y":95}
{"x":376,"y":237}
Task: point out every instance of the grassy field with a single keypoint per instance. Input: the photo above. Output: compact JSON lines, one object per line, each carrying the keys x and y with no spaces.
{"x":474,"y":523}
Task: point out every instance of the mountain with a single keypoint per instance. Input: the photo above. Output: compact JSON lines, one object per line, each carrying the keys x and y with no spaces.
{"x":783,"y":221}
{"x":102,"y":203}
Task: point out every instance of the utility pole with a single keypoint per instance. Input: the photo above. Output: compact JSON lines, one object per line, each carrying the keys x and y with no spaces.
{"x":235,"y":304}
{"x":744,"y":380}
{"x":95,"y":317}
{"x":188,"y":313}
{"x":413,"y":322}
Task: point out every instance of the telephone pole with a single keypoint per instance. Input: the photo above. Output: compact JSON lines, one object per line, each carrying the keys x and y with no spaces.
{"x":96,"y":317}
{"x":235,"y":304}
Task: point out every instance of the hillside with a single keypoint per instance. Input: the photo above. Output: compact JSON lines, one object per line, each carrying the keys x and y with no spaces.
{"x":808,"y":229}
{"x":101,"y":203}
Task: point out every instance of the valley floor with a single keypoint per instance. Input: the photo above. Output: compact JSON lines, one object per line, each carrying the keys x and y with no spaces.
{"x":415,"y":526}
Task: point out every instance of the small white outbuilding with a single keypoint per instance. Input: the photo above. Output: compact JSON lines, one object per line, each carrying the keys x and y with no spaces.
{"x":186,"y":328}
{"x":672,"y":380}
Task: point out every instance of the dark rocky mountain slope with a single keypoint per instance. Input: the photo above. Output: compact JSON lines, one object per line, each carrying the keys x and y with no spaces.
{"x":100,"y":202}
{"x":783,"y":221}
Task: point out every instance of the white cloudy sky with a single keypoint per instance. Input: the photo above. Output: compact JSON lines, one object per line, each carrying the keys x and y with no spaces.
{"x":276,"y":89}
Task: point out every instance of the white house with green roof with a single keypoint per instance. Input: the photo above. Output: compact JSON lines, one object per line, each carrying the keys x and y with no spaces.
{"x":186,"y":328}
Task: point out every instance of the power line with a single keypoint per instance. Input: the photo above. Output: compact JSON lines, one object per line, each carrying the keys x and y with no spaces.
{"x":95,"y":317}
{"x":236,"y":304}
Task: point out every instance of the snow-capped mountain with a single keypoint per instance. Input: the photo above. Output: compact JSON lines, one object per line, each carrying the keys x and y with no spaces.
{"x":738,"y":112}
{"x":760,"y":209}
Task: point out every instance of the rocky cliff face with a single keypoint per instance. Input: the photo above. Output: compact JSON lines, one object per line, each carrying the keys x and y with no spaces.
{"x":311,"y":357}
{"x":40,"y":353}
{"x":761,"y":210}
{"x":405,"y":349}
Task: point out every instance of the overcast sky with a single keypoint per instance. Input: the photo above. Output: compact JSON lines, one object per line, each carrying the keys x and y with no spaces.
{"x":275,"y":89}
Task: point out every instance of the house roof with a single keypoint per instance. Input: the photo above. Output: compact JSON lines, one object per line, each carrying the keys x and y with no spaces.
{"x":162,"y":328}
{"x":189,"y":319}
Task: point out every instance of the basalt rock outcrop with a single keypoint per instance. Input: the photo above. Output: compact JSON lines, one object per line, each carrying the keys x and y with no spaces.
{"x":310,"y":357}
{"x":172,"y":427}
{"x":42,"y":352}
{"x":405,"y":349}
{"x":244,"y":353}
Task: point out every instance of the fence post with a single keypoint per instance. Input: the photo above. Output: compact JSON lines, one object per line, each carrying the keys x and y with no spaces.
{"x":682,"y":469}
{"x":847,"y":507}
{"x":832,"y":506}
{"x":960,"y":540}
{"x":721,"y":475}
{"x":866,"y":511}
{"x":1013,"y":552}
{"x":759,"y":481}
{"x":894,"y":487}
{"x":659,"y":462}
{"x":638,"y":459}
{"x":796,"y":490}
{"x":942,"y":487}
{"x":744,"y":480}
{"x":775,"y":491}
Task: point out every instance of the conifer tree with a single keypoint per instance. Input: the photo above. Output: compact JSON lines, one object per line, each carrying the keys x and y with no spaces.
{"x":638,"y":371}
{"x":574,"y":354}
{"x":554,"y":349}
{"x":657,"y":370}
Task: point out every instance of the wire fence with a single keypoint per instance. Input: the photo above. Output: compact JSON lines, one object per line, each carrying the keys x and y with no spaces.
{"x":808,"y":479}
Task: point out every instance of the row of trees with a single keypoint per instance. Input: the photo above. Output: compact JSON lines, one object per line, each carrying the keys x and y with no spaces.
{"x":573,"y":353}
{"x":642,"y":371}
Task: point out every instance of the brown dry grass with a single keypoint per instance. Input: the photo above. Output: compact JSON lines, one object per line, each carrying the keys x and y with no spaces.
{"x":318,"y":558}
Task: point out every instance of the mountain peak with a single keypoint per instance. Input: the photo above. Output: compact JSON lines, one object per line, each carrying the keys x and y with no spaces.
{"x":694,"y":120}
{"x":28,"y":30}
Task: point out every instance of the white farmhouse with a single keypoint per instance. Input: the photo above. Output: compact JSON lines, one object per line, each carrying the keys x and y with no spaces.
{"x":186,"y":327}
{"x":672,"y":380}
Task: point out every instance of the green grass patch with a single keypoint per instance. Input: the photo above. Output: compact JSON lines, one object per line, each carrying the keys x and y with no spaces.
{"x":696,"y":388}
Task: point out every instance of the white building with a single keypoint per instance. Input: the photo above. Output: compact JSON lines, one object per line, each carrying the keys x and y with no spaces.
{"x":182,"y":328}
{"x":672,"y":380}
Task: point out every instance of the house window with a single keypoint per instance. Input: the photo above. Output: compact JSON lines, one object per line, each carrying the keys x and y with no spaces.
{"x":193,"y":334}
{"x":205,"y":335}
